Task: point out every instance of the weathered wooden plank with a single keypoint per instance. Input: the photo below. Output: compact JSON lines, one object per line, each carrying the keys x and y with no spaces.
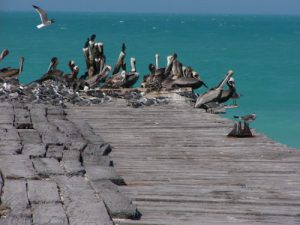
{"x":50,"y":134}
{"x":182,"y":169}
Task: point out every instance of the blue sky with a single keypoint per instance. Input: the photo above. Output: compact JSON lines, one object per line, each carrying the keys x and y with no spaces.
{"x":160,"y":6}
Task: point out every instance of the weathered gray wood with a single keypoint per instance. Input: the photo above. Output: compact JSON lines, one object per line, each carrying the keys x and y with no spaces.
{"x":2,"y":182}
{"x":42,"y":191}
{"x":22,"y":119}
{"x":15,"y":197}
{"x":34,"y":150}
{"x":118,"y":205}
{"x":55,"y":151}
{"x":47,"y":166}
{"x":29,"y":136}
{"x":98,"y":173}
{"x":17,"y":166}
{"x":73,"y":168}
{"x":49,"y":213}
{"x":181,"y":169}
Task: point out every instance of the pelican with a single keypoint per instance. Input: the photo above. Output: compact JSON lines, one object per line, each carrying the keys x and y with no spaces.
{"x":53,"y":73}
{"x":123,"y":79}
{"x":227,"y":94}
{"x":3,"y":54}
{"x":98,"y":78}
{"x":120,"y":63}
{"x":11,"y":72}
{"x":157,"y":75}
{"x":44,"y":17}
{"x":214,"y":94}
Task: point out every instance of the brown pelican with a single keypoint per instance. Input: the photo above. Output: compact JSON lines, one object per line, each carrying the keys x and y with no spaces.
{"x":123,"y":79}
{"x":3,"y":54}
{"x":98,"y":78}
{"x":44,"y":18}
{"x":120,"y":63}
{"x":157,"y":75}
{"x":10,"y":72}
{"x":227,"y":94}
{"x":53,"y":73}
{"x":213,"y":95}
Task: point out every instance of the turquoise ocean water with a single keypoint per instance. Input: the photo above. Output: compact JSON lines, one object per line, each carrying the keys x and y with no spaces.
{"x":263,"y":51}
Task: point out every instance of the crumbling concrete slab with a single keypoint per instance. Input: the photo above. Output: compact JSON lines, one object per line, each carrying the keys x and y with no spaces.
{"x":55,"y":151}
{"x":22,"y":119}
{"x":34,"y":150}
{"x":15,"y":197}
{"x":17,"y":166}
{"x":29,"y":136}
{"x":42,"y":191}
{"x":49,"y":214}
{"x":99,"y":173}
{"x":10,"y":147}
{"x":118,"y":205}
{"x":47,"y":166}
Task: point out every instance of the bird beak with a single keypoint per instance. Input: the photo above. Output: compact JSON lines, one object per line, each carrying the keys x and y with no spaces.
{"x":50,"y":66}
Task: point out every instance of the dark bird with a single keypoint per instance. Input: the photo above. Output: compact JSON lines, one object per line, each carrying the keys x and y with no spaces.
{"x":213,"y":95}
{"x":247,"y":118}
{"x":44,"y":17}
{"x":12,"y":72}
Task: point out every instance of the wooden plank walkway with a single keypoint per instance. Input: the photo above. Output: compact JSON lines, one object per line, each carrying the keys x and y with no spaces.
{"x":181,"y":169}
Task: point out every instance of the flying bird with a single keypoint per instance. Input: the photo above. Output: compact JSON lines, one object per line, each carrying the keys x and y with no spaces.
{"x":44,"y":18}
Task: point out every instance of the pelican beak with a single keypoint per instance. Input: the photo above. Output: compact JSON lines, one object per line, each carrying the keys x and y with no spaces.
{"x":50,"y":67}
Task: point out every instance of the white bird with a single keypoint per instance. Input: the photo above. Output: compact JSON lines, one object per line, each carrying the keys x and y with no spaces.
{"x":247,"y":118}
{"x":44,"y":18}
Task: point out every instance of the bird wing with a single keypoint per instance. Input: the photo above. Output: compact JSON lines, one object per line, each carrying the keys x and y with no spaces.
{"x":42,"y":13}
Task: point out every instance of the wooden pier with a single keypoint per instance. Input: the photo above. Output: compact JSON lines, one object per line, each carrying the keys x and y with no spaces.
{"x":181,"y":169}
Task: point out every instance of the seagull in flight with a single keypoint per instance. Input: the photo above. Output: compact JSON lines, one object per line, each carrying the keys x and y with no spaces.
{"x":44,"y":18}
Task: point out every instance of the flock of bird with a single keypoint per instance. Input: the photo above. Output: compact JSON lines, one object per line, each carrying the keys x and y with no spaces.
{"x":173,"y":76}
